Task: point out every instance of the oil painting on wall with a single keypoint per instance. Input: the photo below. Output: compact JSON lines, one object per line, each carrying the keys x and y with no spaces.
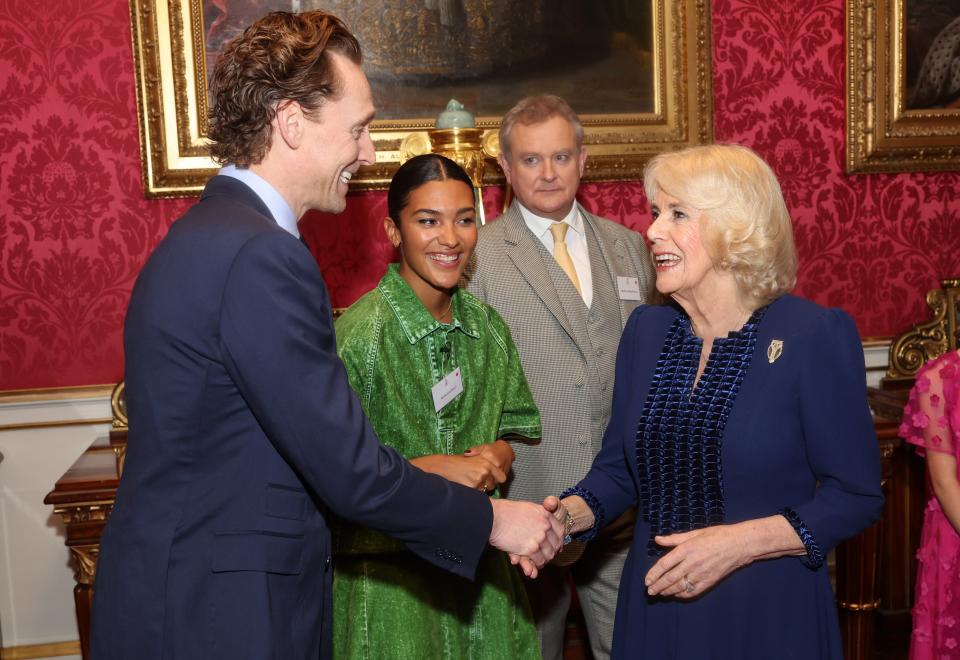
{"x":637,"y":71}
{"x":485,"y":53}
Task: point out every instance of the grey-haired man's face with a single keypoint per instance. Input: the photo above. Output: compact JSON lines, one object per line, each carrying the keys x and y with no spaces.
{"x":545,"y":166}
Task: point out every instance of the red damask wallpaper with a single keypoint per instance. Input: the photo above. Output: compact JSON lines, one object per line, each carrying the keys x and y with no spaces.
{"x":75,"y":229}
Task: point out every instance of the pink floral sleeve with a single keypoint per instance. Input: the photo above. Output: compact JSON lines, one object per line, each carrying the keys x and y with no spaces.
{"x":930,"y":418}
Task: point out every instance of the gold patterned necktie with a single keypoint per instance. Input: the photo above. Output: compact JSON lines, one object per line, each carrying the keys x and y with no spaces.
{"x":560,"y":253}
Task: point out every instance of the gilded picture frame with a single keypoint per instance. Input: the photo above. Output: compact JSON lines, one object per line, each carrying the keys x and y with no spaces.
{"x":888,"y":130}
{"x":170,"y":61}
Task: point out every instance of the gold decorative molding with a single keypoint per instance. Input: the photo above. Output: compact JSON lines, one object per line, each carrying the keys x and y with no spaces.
{"x":859,"y":607}
{"x":121,"y":454}
{"x":54,"y":423}
{"x":55,"y":394}
{"x":875,"y":341}
{"x":118,"y":405}
{"x":84,"y":512}
{"x":465,"y":146}
{"x":32,"y":651}
{"x":85,"y":558}
{"x":926,"y":341}
{"x":882,"y":134}
{"x":170,"y":61}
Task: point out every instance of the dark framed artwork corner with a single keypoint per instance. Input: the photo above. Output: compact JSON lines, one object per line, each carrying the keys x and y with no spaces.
{"x":903,"y":85}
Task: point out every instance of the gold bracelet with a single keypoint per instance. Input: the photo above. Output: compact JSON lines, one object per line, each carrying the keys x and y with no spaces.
{"x":567,"y":527}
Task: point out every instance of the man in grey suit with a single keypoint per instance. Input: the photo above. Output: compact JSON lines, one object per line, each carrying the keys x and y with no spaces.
{"x":565,"y":282}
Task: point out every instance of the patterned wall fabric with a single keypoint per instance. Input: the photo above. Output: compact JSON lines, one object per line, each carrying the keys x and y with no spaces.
{"x":75,"y":229}
{"x":870,"y":244}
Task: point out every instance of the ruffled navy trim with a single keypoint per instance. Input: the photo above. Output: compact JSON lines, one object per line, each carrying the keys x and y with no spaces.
{"x":679,"y":437}
{"x":814,"y":558}
{"x":599,"y":517}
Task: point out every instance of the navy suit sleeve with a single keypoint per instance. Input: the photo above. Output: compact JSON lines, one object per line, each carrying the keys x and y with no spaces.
{"x":609,"y":487}
{"x":838,"y":433}
{"x":278,"y":343}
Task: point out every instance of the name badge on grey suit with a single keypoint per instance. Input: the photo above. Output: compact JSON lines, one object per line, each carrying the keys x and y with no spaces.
{"x":628,"y":287}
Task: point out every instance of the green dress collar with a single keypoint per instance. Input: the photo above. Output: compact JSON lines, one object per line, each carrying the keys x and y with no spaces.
{"x":415,"y":321}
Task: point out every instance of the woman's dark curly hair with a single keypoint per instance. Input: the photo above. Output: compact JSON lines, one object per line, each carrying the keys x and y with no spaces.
{"x":282,"y":57}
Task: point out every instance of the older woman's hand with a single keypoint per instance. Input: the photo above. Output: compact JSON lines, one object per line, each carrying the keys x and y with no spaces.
{"x":698,"y":560}
{"x":701,"y":558}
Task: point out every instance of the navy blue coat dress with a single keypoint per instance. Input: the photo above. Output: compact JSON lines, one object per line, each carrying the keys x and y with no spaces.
{"x":244,"y":435}
{"x":788,"y":432}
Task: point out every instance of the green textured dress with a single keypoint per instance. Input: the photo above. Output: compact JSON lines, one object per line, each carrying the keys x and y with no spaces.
{"x":389,"y":603}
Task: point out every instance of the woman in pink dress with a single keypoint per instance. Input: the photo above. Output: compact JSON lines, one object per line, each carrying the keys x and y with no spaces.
{"x":931,"y":421}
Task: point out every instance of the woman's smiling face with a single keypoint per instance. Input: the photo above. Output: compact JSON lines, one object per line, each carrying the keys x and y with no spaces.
{"x":436,"y":232}
{"x":679,"y":254}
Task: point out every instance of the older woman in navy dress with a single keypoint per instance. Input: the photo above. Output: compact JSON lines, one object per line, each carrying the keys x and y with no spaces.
{"x":740,"y":429}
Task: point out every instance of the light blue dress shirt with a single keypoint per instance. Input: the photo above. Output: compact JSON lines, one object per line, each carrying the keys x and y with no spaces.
{"x":276,"y":204}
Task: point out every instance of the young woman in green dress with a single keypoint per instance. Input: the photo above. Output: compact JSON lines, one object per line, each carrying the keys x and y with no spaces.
{"x":439,"y":377}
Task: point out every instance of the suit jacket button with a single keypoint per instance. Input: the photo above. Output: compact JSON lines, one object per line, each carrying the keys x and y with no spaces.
{"x":582,"y":438}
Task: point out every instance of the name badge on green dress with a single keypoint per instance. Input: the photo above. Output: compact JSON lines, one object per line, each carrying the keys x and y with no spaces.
{"x":447,"y":389}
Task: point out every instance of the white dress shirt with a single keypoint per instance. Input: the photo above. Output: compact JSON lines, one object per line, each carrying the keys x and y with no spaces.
{"x":576,"y":241}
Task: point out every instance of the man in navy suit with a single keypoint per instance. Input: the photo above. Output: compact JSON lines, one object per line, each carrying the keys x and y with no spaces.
{"x":244,"y":432}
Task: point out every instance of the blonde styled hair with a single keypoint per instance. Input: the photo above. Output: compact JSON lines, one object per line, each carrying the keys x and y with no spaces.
{"x":747,"y":228}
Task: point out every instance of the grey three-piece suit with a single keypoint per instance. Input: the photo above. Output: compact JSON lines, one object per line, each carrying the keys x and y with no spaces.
{"x":568,"y":352}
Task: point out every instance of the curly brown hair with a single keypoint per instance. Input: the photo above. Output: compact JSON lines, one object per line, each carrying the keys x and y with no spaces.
{"x":283,"y":56}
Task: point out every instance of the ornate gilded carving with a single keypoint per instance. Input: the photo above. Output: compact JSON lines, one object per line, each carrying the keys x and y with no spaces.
{"x":121,"y":453}
{"x":118,"y":405}
{"x":926,"y":341}
{"x":858,"y":607}
{"x":416,"y":143}
{"x":85,"y":562}
{"x":462,"y":145}
{"x":85,"y":512}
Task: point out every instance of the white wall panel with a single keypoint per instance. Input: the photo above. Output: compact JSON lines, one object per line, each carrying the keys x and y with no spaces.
{"x":36,"y":577}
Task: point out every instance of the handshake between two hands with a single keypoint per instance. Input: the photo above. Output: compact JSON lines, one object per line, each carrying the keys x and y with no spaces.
{"x":530,"y":533}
